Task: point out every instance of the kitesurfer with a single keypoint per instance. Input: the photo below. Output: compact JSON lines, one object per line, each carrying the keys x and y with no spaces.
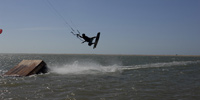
{"x":86,"y":39}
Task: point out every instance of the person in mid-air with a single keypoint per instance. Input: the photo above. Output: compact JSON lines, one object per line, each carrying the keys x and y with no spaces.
{"x":86,"y":39}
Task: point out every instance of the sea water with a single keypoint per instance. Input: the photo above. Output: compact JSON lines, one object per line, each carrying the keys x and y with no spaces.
{"x":103,"y":77}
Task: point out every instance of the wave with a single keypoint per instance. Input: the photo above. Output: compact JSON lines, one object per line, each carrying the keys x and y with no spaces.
{"x":95,"y":68}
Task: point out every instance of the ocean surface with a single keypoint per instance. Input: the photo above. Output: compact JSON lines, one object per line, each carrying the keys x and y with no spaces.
{"x":103,"y":77}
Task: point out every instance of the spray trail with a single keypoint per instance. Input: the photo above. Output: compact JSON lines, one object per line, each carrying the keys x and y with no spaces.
{"x":159,"y":65}
{"x":95,"y":68}
{"x":84,"y":68}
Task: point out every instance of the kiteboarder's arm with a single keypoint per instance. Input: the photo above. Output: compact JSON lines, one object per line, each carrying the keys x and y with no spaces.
{"x":78,"y":35}
{"x":83,"y":41}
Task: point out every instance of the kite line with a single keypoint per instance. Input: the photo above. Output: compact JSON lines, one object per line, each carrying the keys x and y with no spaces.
{"x":75,"y":33}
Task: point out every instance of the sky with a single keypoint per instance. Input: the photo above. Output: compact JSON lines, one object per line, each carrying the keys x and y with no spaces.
{"x":153,"y":27}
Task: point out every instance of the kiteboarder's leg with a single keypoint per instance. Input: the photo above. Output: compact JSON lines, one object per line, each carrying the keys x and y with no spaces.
{"x":94,"y":37}
{"x":90,"y":42}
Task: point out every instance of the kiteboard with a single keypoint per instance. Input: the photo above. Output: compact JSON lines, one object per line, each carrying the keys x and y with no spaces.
{"x":96,"y":40}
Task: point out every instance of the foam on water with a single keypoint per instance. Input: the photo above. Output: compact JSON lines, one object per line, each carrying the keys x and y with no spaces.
{"x":164,"y":64}
{"x":84,"y":68}
{"x":95,"y":68}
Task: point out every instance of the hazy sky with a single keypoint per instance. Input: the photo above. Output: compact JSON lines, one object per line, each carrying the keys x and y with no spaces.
{"x":126,"y":26}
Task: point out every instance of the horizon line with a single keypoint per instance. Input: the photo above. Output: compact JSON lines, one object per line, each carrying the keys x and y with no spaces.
{"x":105,"y":54}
